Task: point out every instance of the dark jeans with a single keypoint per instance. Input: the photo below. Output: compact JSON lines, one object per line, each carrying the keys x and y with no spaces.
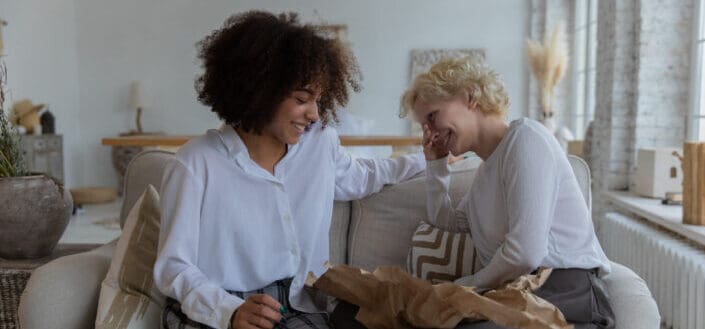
{"x":580,"y":295}
{"x":174,"y":318}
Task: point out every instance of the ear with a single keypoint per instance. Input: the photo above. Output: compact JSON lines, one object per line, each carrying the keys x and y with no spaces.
{"x":472,"y":104}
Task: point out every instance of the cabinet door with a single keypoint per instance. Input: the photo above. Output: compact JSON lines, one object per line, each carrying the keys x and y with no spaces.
{"x":44,"y":154}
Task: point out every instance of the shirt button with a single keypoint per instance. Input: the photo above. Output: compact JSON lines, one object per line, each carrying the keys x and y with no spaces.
{"x":293,"y":251}
{"x":287,"y":217}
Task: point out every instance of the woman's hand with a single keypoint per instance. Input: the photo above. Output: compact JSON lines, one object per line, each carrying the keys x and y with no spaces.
{"x":434,"y":146}
{"x":258,"y":311}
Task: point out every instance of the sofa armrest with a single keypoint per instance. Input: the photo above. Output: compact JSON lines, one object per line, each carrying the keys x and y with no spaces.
{"x":64,"y":292}
{"x":631,"y":300}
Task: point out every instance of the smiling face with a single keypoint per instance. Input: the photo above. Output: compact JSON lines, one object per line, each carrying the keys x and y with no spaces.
{"x":454,"y":120}
{"x":294,"y":115}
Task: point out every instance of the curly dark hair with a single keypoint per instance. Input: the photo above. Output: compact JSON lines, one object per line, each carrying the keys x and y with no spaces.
{"x":256,"y":59}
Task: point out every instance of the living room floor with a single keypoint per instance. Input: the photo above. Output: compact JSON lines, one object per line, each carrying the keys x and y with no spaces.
{"x":94,"y":223}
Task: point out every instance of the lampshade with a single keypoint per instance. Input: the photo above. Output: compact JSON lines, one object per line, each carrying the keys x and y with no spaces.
{"x":136,"y":100}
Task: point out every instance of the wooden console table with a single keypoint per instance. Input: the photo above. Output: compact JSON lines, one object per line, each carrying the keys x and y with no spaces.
{"x":14,"y":274}
{"x":126,"y":147}
{"x":175,"y":141}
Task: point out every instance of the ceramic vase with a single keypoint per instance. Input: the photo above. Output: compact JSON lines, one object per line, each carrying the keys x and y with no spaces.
{"x":34,"y":213}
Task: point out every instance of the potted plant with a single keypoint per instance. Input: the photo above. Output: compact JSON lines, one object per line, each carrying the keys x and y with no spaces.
{"x":35,"y":208}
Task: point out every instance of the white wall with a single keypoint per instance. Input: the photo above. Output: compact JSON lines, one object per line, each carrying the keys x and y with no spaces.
{"x":153,"y":41}
{"x":41,"y":59}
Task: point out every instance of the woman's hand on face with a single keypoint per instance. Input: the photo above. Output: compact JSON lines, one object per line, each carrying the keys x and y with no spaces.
{"x":434,"y":146}
{"x":258,"y":311}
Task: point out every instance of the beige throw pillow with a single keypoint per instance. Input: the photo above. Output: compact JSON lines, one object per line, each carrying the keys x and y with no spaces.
{"x":128,"y":296}
{"x":439,"y":256}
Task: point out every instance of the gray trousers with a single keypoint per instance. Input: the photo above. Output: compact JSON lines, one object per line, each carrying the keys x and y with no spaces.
{"x":173,"y":318}
{"x":580,"y":295}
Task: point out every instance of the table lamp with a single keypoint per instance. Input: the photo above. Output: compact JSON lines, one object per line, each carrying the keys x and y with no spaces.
{"x":136,"y":103}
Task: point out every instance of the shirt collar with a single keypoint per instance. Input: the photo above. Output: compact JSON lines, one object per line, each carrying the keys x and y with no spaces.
{"x":237,"y":150}
{"x":232,"y":141}
{"x":235,"y":146}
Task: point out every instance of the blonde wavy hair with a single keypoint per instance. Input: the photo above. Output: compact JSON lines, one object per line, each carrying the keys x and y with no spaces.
{"x":452,"y":76}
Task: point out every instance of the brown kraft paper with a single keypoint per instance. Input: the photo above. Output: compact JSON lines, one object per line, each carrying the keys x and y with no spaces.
{"x":391,"y":298}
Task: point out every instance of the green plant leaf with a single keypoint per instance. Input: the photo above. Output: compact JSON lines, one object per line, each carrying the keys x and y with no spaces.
{"x":11,"y":156}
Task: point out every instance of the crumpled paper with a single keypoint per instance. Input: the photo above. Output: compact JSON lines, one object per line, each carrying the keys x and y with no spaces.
{"x":391,"y":298}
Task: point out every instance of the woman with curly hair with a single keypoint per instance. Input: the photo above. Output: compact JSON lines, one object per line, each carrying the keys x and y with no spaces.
{"x":524,"y":209}
{"x":246,"y":208}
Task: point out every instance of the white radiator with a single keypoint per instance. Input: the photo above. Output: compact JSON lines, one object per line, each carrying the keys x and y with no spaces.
{"x":673,"y":268}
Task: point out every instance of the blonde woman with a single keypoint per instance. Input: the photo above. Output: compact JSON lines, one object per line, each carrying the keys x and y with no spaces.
{"x":524,"y":208}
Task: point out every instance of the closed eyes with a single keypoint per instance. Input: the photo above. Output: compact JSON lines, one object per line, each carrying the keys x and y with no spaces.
{"x":431,"y":117}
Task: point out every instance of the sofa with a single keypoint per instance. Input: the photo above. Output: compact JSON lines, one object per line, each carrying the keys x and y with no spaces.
{"x":365,"y":233}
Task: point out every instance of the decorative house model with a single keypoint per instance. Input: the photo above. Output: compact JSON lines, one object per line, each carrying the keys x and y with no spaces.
{"x":657,"y":171}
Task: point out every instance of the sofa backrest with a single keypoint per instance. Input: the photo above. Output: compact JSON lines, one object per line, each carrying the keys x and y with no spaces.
{"x":582,"y":174}
{"x":382,"y":224}
{"x":145,"y":168}
{"x":361,"y":227}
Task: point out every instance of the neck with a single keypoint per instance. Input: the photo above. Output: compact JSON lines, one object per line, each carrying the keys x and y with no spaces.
{"x":492,"y":130}
{"x":264,"y":149}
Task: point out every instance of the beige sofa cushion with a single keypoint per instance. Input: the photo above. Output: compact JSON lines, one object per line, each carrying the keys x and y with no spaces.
{"x":338,"y":233}
{"x":64,"y":292}
{"x":382,"y":224}
{"x":128,"y":296}
{"x":145,"y":169}
{"x":438,"y":255}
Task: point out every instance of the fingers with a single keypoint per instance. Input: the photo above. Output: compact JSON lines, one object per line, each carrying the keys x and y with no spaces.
{"x":442,"y":142}
{"x":429,"y":137}
{"x":438,"y":141}
{"x":251,"y":320}
{"x":435,"y":145}
{"x":426,"y":133}
{"x":258,"y":311}
{"x":270,"y":303}
{"x":244,"y":326}
{"x":244,"y":320}
{"x":260,"y":322}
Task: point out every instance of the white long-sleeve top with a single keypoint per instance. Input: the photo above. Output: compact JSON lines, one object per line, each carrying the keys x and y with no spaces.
{"x":524,"y":209}
{"x":228,"y":224}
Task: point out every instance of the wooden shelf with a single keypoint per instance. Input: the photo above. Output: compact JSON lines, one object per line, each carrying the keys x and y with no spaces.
{"x":380,"y":140}
{"x":173,"y":140}
{"x":137,"y":140}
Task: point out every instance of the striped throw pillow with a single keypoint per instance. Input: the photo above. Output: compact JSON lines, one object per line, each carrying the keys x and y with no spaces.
{"x":439,"y":256}
{"x":128,"y":296}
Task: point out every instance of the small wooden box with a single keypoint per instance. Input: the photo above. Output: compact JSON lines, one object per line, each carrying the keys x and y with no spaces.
{"x":657,"y":171}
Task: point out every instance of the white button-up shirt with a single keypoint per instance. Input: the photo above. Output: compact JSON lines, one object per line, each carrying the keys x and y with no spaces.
{"x":228,"y":224}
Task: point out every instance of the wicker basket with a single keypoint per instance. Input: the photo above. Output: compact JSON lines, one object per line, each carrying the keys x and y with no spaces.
{"x":12,"y":283}
{"x":88,"y":195}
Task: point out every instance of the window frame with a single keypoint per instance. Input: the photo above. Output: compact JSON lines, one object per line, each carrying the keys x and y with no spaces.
{"x":695,"y":129}
{"x":584,"y":68}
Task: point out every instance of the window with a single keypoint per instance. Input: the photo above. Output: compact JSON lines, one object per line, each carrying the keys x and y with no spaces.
{"x":695,"y":122}
{"x":584,"y":53}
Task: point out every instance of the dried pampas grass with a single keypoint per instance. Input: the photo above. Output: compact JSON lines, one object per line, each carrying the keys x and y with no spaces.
{"x":548,"y":62}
